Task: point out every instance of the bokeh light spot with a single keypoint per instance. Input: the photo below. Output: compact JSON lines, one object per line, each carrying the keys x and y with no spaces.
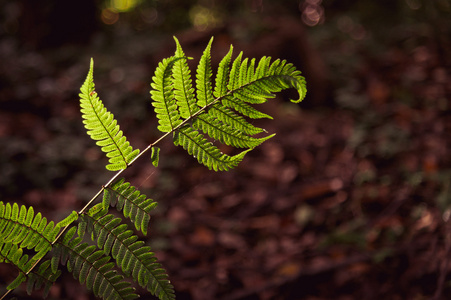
{"x":312,"y":12}
{"x":123,"y":5}
{"x":109,"y":16}
{"x":203,"y":18}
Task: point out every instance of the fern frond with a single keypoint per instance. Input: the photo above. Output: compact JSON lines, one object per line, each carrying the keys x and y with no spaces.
{"x":222,"y":112}
{"x":21,"y":226}
{"x":233,"y":101}
{"x":225,"y":133}
{"x":131,"y":255}
{"x":234,"y":73}
{"x":231,"y":118}
{"x":103,"y":128}
{"x":256,"y":86}
{"x":131,"y":202}
{"x":183,"y":88}
{"x":162,"y":92}
{"x":222,"y":76}
{"x":205,"y":152}
{"x":92,"y":268}
{"x":203,"y":78}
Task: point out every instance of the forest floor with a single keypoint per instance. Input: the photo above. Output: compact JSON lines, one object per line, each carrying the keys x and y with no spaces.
{"x":350,"y":200}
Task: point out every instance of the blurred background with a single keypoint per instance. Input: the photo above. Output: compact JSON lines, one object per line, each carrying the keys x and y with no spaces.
{"x":350,"y":200}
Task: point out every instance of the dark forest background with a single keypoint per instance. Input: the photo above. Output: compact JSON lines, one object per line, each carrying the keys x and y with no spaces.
{"x":350,"y":200}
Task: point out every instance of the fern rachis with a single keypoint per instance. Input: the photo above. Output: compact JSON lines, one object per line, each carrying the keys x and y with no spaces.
{"x":214,"y":108}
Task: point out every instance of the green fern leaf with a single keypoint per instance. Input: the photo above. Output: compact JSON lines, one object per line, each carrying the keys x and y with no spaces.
{"x":234,"y":120}
{"x":93,"y":268}
{"x":68,"y":220}
{"x":103,"y":128}
{"x":131,"y":202}
{"x":205,"y":152}
{"x":155,"y":156}
{"x":17,"y":226}
{"x":235,"y":102}
{"x":225,"y":133}
{"x":163,"y":96}
{"x":16,"y":282}
{"x":222,"y":77}
{"x":131,"y":255}
{"x":9,"y":252}
{"x":183,"y":88}
{"x":222,"y":112}
{"x":204,"y":74}
{"x":234,"y":73}
{"x":96,"y":208}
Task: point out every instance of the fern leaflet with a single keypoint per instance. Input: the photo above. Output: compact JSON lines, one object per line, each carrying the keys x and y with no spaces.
{"x":155,"y":156}
{"x":131,"y":255}
{"x":206,"y":153}
{"x":20,"y":226}
{"x":103,"y":128}
{"x":163,"y":95}
{"x":183,"y":89}
{"x":134,"y":205}
{"x":92,"y":268}
{"x":203,"y":75}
